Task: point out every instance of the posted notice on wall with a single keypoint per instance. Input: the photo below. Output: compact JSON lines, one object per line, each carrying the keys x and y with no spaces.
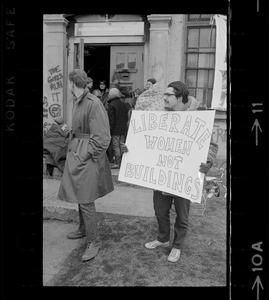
{"x":166,"y":149}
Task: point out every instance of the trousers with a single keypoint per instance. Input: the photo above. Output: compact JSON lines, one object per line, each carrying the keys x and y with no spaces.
{"x":88,"y":222}
{"x":162,"y":205}
{"x":116,"y":141}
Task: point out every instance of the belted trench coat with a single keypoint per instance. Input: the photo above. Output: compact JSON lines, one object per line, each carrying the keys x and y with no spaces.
{"x":87,"y":175}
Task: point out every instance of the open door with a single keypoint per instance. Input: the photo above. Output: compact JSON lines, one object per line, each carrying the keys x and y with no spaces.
{"x":126,"y":67}
{"x":79,"y":55}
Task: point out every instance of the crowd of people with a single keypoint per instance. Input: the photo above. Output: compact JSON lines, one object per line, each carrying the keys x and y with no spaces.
{"x":96,"y":145}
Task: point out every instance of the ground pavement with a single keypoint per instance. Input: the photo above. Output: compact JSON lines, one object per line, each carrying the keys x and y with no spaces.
{"x":61,"y":217}
{"x":124,"y":200}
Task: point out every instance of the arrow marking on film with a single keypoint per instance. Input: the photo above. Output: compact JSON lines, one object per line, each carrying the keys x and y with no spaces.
{"x":257,"y":126}
{"x":259,"y":283}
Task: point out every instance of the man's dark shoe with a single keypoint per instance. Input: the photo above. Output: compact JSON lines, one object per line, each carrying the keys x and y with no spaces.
{"x":91,"y":251}
{"x":76,"y":235}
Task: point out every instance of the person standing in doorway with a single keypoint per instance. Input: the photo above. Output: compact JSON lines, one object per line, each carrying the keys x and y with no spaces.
{"x":104,"y":93}
{"x":87,"y":175}
{"x":118,"y":119}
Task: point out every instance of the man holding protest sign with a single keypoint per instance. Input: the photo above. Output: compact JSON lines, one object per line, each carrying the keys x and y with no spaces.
{"x":176,"y":98}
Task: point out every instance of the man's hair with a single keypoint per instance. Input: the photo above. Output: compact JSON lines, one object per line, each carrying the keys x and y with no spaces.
{"x":97,"y":93}
{"x":180,"y":89}
{"x":114,"y":92}
{"x":104,"y":82}
{"x":79,"y":77}
{"x":152,"y":80}
{"x":89,"y":80}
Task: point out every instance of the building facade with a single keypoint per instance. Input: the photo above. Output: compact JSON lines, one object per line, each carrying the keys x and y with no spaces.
{"x":127,"y":50}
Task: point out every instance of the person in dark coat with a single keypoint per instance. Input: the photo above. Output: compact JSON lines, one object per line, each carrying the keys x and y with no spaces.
{"x":87,"y":175}
{"x":55,"y":145}
{"x":118,"y":119}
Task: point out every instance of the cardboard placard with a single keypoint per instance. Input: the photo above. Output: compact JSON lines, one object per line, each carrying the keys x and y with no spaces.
{"x":166,"y":149}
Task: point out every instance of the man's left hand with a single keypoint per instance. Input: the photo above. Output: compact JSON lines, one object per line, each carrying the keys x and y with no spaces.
{"x":204,"y":168}
{"x":123,"y":148}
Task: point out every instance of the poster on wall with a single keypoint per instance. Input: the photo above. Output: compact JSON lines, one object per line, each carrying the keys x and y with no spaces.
{"x":219,"y":98}
{"x":53,"y":95}
{"x":165,"y":150}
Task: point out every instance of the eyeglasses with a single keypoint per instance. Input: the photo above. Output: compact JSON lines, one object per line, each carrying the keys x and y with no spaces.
{"x":169,"y":94}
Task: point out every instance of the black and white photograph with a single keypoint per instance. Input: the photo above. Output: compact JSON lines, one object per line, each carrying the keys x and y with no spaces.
{"x":135,"y":150}
{"x":135,"y":153}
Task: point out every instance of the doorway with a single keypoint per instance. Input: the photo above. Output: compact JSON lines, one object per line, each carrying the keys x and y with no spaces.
{"x":97,"y":63}
{"x":121,"y":66}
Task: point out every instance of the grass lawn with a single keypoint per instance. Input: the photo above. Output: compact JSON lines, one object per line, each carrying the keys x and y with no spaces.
{"x":123,"y":260}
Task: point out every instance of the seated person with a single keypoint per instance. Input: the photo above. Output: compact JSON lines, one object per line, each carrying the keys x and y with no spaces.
{"x":55,"y":145}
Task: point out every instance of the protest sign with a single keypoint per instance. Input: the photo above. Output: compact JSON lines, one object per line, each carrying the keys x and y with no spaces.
{"x":166,"y":149}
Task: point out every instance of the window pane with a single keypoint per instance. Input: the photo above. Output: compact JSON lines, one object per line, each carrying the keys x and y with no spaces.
{"x":211,"y":79}
{"x":206,"y":16}
{"x":209,"y":97}
{"x":131,"y":60}
{"x":192,"y":92}
{"x":205,"y":37}
{"x":202,"y":78}
{"x":191,"y":78}
{"x":199,"y":95}
{"x":193,"y":38}
{"x":202,"y":60}
{"x":120,"y":57}
{"x":192,"y":60}
{"x":213,"y":38}
{"x":192,"y":17}
{"x":212,"y":60}
{"x":206,"y":61}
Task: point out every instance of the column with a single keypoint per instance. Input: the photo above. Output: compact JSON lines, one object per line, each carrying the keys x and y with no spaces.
{"x":159,"y":47}
{"x":54,"y":68}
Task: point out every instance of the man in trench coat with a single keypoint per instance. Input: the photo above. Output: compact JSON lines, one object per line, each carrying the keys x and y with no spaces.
{"x":87,"y":174}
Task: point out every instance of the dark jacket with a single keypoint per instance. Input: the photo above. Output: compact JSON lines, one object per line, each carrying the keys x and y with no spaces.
{"x":55,"y":145}
{"x":104,"y":99}
{"x":118,"y":116}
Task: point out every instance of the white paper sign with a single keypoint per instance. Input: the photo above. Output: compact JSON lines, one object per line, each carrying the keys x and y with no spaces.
{"x":166,"y":149}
